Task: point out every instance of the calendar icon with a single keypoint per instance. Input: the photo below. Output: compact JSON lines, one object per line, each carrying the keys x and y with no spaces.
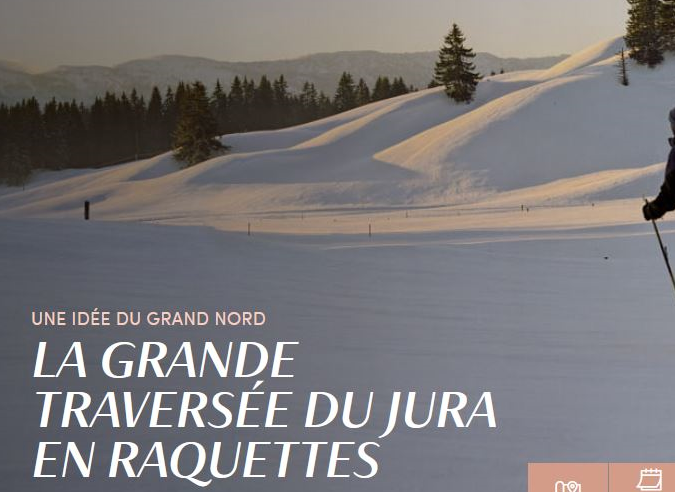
{"x":651,"y":479}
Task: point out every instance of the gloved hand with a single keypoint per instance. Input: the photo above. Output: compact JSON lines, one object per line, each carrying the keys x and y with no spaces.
{"x":651,"y":211}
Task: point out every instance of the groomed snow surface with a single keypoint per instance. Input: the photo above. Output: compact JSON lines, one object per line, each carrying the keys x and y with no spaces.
{"x":507,"y":255}
{"x":576,"y":349}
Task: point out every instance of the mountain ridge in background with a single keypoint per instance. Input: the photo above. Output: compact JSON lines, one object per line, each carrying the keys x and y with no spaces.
{"x":84,"y":83}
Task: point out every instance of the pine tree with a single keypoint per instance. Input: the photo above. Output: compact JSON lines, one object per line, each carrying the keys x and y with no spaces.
{"x":34,"y":132}
{"x":666,"y":24}
{"x":249,"y":91}
{"x":72,"y":116}
{"x":235,"y":101}
{"x":110,"y":131}
{"x":382,"y":89}
{"x":15,"y":165}
{"x":345,"y":95}
{"x":309,"y":102}
{"x":623,"y":69}
{"x":281,"y":100}
{"x":55,"y":138}
{"x":126,"y":143}
{"x":195,"y":138}
{"x":181,"y":96}
{"x":642,"y":32}
{"x":362,"y":93}
{"x":248,"y":120}
{"x":326,"y":107}
{"x":97,"y":130}
{"x":138,"y":111}
{"x":454,"y":68}
{"x":169,"y":117}
{"x":264,"y":94}
{"x":262,"y":105}
{"x":398,"y":87}
{"x":219,"y":107}
{"x":154,"y":122}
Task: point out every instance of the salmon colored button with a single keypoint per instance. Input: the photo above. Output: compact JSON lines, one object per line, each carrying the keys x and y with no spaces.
{"x":642,"y":477}
{"x":567,"y":477}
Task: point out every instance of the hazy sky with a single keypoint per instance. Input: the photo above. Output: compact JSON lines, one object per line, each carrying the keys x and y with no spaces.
{"x":45,"y":33}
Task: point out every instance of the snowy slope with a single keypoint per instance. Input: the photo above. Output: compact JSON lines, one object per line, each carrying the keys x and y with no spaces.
{"x":567,"y":126}
{"x":593,"y":54}
{"x":505,"y":256}
{"x":573,"y":346}
{"x":567,"y":136}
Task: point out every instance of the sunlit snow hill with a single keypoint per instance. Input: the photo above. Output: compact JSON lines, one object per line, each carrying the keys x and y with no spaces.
{"x":569,"y":138}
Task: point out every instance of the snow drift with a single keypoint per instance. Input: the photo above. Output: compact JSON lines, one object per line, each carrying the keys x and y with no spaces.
{"x":525,"y":135}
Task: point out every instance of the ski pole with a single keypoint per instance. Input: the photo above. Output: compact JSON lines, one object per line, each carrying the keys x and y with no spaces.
{"x":663,"y":250}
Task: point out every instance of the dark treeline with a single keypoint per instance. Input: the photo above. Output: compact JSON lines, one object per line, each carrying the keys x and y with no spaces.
{"x":117,"y":128}
{"x":650,"y":30}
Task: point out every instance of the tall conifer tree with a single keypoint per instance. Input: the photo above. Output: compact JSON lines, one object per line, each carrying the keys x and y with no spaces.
{"x":398,"y":87}
{"x":454,"y":68}
{"x":195,"y":139}
{"x":154,"y":123}
{"x":642,"y":32}
{"x":309,"y":101}
{"x":382,"y":88}
{"x":281,"y":102}
{"x":236,"y":102}
{"x":345,"y":96}
{"x":219,"y":107}
{"x":666,"y":25}
{"x":362,"y":93}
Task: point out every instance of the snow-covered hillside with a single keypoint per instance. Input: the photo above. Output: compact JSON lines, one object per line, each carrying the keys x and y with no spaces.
{"x":505,"y":256}
{"x":571,"y":333}
{"x":569,"y":135}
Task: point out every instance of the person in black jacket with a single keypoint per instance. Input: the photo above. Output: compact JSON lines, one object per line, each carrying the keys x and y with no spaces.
{"x":665,"y":202}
